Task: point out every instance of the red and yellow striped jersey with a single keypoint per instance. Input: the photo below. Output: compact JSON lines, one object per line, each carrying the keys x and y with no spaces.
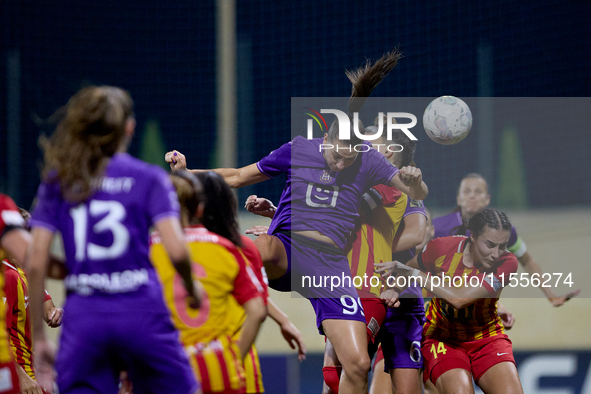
{"x":222,"y":271}
{"x":10,"y":218}
{"x":18,"y":323}
{"x":374,"y":238}
{"x":478,"y":320}
{"x":252,"y":367}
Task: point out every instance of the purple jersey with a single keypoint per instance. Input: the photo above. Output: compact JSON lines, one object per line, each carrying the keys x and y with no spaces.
{"x":317,"y":198}
{"x":444,"y":224}
{"x":106,"y":236}
{"x":413,"y":296}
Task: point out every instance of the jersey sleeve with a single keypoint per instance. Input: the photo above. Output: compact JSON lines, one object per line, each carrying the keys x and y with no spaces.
{"x":494,"y":282}
{"x":428,"y":256}
{"x":277,"y":162}
{"x":380,"y":170}
{"x":47,"y":296}
{"x":162,"y":201}
{"x":415,"y":206}
{"x":46,"y":212}
{"x":254,"y":259}
{"x":516,"y":244}
{"x":244,"y":283}
{"x":10,"y":216}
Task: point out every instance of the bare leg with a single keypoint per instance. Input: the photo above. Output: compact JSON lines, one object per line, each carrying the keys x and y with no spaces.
{"x":349,"y":339}
{"x":380,"y":384}
{"x":501,"y":378}
{"x":330,"y":360}
{"x":455,"y":381}
{"x":406,"y":381}
{"x":273,"y":255}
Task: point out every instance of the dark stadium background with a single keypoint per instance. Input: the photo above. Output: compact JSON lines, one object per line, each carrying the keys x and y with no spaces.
{"x":164,"y":54}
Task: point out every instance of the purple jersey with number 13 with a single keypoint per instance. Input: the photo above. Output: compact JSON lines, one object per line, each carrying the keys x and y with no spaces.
{"x":106,"y":237}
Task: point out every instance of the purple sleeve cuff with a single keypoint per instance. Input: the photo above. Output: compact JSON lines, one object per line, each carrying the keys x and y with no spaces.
{"x":262,"y":171}
{"x":45,"y":225}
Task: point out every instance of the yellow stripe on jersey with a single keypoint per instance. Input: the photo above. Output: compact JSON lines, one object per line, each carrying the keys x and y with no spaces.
{"x":216,"y":268}
{"x":252,"y":370}
{"x":5,"y":351}
{"x":373,"y":241}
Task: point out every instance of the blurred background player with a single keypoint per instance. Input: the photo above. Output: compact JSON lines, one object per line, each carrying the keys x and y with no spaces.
{"x":14,"y":241}
{"x":224,"y":273}
{"x":221,"y":208}
{"x":115,"y":316}
{"x":473,"y":196}
{"x":316,"y":238}
{"x":464,"y":338}
{"x":18,"y":323}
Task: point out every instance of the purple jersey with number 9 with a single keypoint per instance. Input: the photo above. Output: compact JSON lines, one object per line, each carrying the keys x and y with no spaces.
{"x":106,"y":237}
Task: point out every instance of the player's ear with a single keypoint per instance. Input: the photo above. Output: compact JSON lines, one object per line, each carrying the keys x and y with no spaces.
{"x":487,"y":199}
{"x":130,"y":127}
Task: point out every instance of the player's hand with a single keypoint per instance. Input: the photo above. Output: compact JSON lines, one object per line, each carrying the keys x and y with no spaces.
{"x":294,"y":338}
{"x":260,"y":206}
{"x":390,"y":298}
{"x":257,"y":230}
{"x":506,"y":316}
{"x":54,"y":317}
{"x":411,"y":176}
{"x":44,"y":352}
{"x":387,"y":268}
{"x":125,"y":386}
{"x":176,"y":159}
{"x":559,"y":301}
{"x":28,"y":385}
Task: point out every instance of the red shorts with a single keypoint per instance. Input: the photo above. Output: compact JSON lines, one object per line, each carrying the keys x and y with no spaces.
{"x":375,"y":314}
{"x":475,"y":357}
{"x":9,"y":379}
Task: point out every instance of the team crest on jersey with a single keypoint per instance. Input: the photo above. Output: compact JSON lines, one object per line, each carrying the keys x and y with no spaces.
{"x":326,"y":176}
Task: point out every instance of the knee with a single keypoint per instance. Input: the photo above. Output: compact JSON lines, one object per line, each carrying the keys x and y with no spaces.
{"x":358,"y":367}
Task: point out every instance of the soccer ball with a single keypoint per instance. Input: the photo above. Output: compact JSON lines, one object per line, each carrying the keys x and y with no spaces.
{"x":447,"y":120}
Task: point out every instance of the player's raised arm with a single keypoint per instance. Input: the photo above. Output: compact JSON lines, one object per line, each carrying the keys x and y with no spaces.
{"x":235,"y":177}
{"x":409,"y":180}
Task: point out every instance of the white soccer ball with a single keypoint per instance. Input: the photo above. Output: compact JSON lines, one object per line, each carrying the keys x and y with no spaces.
{"x":447,"y":120}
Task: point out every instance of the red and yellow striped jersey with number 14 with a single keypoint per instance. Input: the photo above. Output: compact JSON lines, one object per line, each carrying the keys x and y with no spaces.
{"x":206,"y":333}
{"x":478,"y":320}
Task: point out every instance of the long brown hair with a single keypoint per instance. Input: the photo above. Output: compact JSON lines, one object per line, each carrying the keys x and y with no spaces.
{"x":364,"y":80}
{"x":90,"y":131}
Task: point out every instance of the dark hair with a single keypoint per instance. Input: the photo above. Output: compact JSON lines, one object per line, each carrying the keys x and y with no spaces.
{"x":190,"y":194}
{"x":221,"y":209}
{"x":91,"y":130}
{"x":364,"y":80}
{"x":488,"y":217}
{"x":409,"y":147}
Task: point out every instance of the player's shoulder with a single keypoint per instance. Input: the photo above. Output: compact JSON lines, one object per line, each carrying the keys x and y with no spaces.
{"x":445,"y":219}
{"x":508,"y":260}
{"x":10,"y":272}
{"x":200,"y":234}
{"x":251,"y":251}
{"x":446,"y":245}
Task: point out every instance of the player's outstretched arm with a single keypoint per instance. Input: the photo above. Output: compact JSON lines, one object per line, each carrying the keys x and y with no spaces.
{"x":458,"y":297}
{"x":37,"y":259}
{"x":409,"y":180}
{"x":256,"y":312}
{"x":171,"y":233}
{"x":532,"y":267}
{"x":235,"y":177}
{"x":289,"y":331}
